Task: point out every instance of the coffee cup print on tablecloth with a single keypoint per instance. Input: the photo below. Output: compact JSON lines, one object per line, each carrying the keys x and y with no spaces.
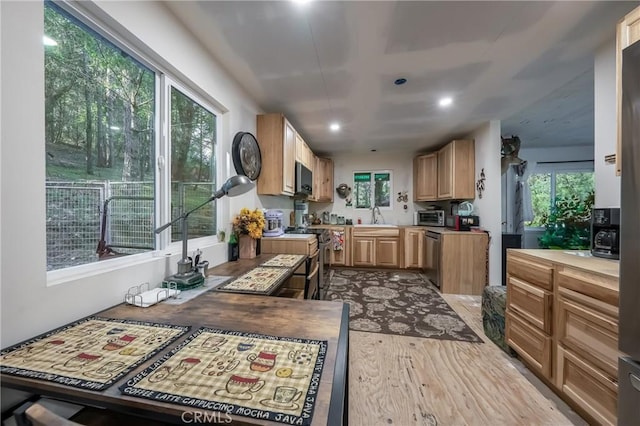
{"x":262,"y":362}
{"x":220,"y":364}
{"x":211,"y":344}
{"x":301,"y":357}
{"x":175,"y":372}
{"x":117,"y":343}
{"x":80,"y":346}
{"x":106,"y":370}
{"x":246,"y":345}
{"x":241,"y":386}
{"x":77,"y":362}
{"x":284,"y":398}
{"x":28,"y":352}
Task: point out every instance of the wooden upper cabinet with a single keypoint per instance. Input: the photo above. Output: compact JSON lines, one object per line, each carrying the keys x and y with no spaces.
{"x":304,"y":154}
{"x":277,"y":141}
{"x":323,"y":180}
{"x":628,"y":32}
{"x":456,"y":170}
{"x":425,"y":177}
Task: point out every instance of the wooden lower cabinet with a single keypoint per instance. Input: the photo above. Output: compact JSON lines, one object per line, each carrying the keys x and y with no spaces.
{"x":413,"y":248}
{"x":532,"y":345}
{"x":587,"y":387}
{"x":531,"y":302}
{"x":364,"y":250}
{"x":387,"y":252}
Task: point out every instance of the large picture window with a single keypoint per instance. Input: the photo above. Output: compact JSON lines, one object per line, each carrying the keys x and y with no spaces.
{"x":101,"y":130}
{"x":558,"y":182}
{"x":372,"y":189}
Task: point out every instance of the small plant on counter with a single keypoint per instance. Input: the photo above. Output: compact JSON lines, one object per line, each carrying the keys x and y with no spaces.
{"x":249,"y":222}
{"x":568,"y":224}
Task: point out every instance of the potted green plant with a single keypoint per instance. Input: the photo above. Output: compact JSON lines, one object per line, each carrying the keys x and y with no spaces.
{"x":567,"y":226}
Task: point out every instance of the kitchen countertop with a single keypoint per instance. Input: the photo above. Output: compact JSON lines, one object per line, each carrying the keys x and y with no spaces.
{"x":438,"y":229}
{"x":585,"y":262}
{"x":293,"y":236}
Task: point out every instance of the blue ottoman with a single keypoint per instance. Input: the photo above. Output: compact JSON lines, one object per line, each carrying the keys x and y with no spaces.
{"x":494,"y":301}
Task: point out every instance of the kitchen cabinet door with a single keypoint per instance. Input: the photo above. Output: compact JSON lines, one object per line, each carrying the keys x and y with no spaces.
{"x":387,"y":252}
{"x":323,"y":180}
{"x":456,"y":170}
{"x":364,"y":251}
{"x":628,"y":32}
{"x":277,"y":140}
{"x":425,"y":177}
{"x":413,"y":248}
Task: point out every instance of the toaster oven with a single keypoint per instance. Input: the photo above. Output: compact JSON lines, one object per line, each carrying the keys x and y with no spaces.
{"x":431,"y":218}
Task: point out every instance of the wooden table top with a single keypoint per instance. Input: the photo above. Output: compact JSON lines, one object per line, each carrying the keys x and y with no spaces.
{"x":305,"y":319}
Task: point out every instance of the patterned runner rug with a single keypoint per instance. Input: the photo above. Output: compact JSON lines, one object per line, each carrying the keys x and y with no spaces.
{"x":252,"y":375}
{"x":92,"y":353}
{"x":396,"y":302}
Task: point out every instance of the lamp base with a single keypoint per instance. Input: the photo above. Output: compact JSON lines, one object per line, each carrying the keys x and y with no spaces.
{"x":184,"y":281}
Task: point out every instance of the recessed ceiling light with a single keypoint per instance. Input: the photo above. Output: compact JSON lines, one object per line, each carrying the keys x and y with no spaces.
{"x":301,"y":1}
{"x":444,"y":102}
{"x":373,"y":150}
{"x":334,"y":127}
{"x":48,"y":41}
{"x":400,"y":81}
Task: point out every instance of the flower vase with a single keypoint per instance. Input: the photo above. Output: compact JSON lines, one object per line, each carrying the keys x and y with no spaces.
{"x":247,"y":247}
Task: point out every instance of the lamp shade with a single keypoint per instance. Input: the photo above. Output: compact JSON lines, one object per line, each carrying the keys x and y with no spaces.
{"x":237,"y":185}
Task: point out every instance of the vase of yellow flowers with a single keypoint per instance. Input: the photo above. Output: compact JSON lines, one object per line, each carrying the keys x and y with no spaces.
{"x":248,"y":224}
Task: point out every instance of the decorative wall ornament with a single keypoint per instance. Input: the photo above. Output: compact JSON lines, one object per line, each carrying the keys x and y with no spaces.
{"x":343,"y":190}
{"x":480,"y":184}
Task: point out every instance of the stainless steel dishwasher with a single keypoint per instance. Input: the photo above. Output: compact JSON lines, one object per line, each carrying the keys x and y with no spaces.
{"x":432,"y":257}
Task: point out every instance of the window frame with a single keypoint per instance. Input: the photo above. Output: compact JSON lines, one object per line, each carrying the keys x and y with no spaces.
{"x":91,"y":19}
{"x":372,"y":192}
{"x":554,"y":168}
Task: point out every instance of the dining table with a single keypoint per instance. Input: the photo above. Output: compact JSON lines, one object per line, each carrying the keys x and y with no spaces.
{"x":291,"y":320}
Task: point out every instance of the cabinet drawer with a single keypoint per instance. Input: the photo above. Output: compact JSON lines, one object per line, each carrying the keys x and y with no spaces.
{"x":532,"y":303}
{"x":597,"y":286}
{"x":587,"y":386}
{"x":591,"y":333}
{"x":531,"y":344}
{"x":534,"y":273}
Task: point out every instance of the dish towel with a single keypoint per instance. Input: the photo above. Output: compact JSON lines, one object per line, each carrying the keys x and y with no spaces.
{"x":337,"y":239}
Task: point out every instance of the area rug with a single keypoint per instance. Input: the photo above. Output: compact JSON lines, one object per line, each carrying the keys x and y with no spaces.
{"x":396,"y":302}
{"x":92,"y":353}
{"x":246,"y":374}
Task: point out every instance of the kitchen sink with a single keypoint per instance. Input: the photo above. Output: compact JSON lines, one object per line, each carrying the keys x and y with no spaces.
{"x":579,"y":253}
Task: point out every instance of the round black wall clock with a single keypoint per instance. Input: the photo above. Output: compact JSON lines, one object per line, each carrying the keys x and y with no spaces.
{"x":246,"y":155}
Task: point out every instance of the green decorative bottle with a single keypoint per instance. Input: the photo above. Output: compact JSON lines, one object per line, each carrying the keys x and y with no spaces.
{"x":234,"y":248}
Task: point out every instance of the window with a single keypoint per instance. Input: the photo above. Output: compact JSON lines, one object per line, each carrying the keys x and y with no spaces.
{"x":559,"y":181}
{"x":193,"y":133}
{"x":101,"y":130}
{"x":372,"y":189}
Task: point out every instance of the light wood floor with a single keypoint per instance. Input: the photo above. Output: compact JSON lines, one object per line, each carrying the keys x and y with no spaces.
{"x":407,"y":380}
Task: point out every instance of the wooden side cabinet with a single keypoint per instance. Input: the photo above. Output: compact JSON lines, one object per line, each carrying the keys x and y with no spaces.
{"x":456,"y":170}
{"x":387,"y":252}
{"x":425,"y":177}
{"x":628,"y":32}
{"x":277,"y":141}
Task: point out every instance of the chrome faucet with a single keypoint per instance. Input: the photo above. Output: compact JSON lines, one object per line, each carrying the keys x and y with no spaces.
{"x":374,"y":217}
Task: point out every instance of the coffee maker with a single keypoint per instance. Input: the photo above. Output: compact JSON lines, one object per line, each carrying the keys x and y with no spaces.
{"x":301,"y":209}
{"x":605,"y":233}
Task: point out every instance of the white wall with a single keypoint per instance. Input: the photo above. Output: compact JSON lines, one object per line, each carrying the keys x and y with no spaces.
{"x":607,"y":183}
{"x":401,"y":165}
{"x":487,"y":147}
{"x":29,"y":305}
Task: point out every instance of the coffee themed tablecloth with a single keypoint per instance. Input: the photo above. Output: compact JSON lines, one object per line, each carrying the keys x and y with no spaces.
{"x":92,"y":353}
{"x":284,"y":260}
{"x":259,"y":280}
{"x":252,"y":375}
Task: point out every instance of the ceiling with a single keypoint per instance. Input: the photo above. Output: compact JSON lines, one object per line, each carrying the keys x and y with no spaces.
{"x":528,"y":64}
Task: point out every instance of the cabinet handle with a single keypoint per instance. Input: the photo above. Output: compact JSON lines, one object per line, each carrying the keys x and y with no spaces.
{"x":635,"y":381}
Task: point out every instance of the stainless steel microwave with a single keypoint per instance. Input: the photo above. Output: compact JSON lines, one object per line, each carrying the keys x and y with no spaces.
{"x":304,"y":180}
{"x":431,"y":218}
